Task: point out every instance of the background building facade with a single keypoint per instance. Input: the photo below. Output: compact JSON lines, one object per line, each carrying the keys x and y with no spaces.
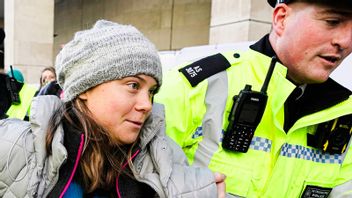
{"x":37,"y":29}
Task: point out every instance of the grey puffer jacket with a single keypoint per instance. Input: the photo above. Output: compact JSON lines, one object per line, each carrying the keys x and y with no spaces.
{"x":27,"y":171}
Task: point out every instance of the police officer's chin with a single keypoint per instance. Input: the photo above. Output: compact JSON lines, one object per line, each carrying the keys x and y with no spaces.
{"x":307,"y":80}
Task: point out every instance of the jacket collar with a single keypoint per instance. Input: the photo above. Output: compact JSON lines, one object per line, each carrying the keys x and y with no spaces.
{"x":42,"y":109}
{"x":153,"y":126}
{"x":263,"y":46}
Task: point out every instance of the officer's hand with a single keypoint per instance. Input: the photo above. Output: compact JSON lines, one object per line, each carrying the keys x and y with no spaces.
{"x":220,"y":183}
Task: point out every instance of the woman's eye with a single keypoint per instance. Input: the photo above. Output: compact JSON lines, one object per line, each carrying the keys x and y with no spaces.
{"x":133,"y":85}
{"x":153,"y":91}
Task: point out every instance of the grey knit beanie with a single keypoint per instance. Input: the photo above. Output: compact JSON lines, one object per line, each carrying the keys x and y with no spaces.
{"x":106,"y":52}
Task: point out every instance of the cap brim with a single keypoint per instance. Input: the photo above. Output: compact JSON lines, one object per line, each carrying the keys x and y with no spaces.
{"x":272,"y":3}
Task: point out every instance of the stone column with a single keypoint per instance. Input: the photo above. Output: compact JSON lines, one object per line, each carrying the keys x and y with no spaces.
{"x":239,"y":20}
{"x":29,"y":28}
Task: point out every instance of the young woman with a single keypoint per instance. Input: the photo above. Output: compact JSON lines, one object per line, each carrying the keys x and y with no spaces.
{"x":48,"y":83}
{"x":48,"y":75}
{"x":103,"y":139}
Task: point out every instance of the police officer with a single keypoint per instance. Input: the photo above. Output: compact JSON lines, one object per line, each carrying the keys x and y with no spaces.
{"x":16,"y":95}
{"x":13,"y":89}
{"x":298,"y":147}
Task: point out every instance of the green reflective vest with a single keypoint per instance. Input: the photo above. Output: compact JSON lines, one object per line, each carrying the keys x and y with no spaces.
{"x":277,"y":164}
{"x":20,"y":110}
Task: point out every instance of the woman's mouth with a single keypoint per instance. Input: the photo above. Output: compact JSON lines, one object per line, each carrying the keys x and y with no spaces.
{"x":136,"y":123}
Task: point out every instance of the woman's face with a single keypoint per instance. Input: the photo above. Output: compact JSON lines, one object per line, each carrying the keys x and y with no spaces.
{"x":47,"y":76}
{"x":122,"y":106}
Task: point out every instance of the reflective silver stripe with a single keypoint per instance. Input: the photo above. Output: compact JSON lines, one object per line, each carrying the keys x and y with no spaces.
{"x":215,"y":101}
{"x":342,"y":191}
{"x":315,"y":155}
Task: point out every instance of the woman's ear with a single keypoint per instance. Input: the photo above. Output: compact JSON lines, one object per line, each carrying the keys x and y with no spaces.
{"x":280,"y":15}
{"x":83,"y":96}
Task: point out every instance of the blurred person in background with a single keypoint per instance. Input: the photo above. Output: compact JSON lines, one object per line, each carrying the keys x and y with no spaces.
{"x":5,"y":102}
{"x":48,"y":74}
{"x":2,"y":50}
{"x":48,"y":83}
{"x":16,"y":74}
{"x":16,"y":95}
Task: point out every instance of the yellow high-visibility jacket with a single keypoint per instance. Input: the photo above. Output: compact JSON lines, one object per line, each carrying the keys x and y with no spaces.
{"x":19,"y":111}
{"x":278,"y":163}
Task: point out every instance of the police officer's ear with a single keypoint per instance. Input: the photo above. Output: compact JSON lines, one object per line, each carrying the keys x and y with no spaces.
{"x":280,"y":14}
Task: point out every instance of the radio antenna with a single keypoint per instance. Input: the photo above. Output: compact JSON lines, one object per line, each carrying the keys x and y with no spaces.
{"x":13,"y":76}
{"x":268,"y":75}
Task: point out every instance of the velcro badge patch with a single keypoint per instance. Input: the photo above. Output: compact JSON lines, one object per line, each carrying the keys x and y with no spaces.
{"x":204,"y":68}
{"x":315,"y":192}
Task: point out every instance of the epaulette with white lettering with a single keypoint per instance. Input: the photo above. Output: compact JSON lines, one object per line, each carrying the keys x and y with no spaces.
{"x":204,"y":68}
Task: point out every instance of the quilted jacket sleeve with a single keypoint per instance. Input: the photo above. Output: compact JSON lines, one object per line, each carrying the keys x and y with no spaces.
{"x":16,"y":149}
{"x":190,"y":181}
{"x":177,"y":178}
{"x":163,"y":165}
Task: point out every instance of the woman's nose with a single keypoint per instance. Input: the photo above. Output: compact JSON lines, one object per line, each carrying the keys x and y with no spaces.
{"x":144,"y":102}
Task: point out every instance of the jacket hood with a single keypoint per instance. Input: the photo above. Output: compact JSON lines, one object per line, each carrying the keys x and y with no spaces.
{"x":42,"y":109}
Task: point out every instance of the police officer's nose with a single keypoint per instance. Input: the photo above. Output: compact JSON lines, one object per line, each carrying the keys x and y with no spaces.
{"x":343,"y":38}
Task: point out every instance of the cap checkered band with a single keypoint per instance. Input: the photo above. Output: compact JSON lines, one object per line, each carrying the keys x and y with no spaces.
{"x":315,"y":155}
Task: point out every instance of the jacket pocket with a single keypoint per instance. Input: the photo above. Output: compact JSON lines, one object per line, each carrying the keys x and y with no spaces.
{"x":238,"y":178}
{"x":319,"y":189}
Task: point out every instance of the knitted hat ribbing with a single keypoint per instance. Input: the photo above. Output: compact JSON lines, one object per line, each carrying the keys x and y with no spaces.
{"x":106,"y":52}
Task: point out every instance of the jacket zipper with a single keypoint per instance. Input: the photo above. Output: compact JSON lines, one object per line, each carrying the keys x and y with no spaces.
{"x":123,"y":167}
{"x":78,"y":157}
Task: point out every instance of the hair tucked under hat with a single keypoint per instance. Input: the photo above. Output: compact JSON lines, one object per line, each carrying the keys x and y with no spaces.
{"x":106,"y":52}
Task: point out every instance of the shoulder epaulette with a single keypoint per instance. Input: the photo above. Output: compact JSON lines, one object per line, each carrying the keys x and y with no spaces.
{"x":204,"y":68}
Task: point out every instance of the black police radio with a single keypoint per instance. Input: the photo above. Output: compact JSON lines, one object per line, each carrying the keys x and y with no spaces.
{"x":11,"y":85}
{"x":246,"y":112}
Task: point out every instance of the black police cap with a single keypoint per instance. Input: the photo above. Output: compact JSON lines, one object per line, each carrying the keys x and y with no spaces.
{"x":273,"y":2}
{"x":347,"y":4}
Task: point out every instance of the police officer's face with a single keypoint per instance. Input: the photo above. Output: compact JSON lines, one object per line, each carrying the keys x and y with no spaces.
{"x":311,"y":40}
